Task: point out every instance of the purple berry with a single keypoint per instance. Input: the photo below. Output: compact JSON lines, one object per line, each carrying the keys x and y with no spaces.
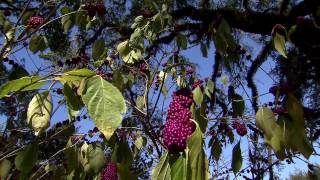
{"x":239,"y":127}
{"x":197,"y":83}
{"x":189,"y":70}
{"x":35,"y":21}
{"x":90,"y":8}
{"x":7,"y":13}
{"x":110,"y":172}
{"x":59,"y":91}
{"x":178,"y":126}
{"x":274,"y":89}
{"x":101,"y":9}
{"x":280,"y":110}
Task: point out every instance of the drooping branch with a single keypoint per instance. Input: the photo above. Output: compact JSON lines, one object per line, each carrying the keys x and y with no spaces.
{"x":260,"y":59}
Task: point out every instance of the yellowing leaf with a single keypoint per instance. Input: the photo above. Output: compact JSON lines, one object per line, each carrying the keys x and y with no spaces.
{"x":273,"y":134}
{"x":197,"y":95}
{"x":5,"y":167}
{"x":39,"y":112}
{"x":279,"y":43}
{"x":296,"y":135}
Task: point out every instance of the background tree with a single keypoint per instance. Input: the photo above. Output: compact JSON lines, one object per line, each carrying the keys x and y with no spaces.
{"x":122,"y":65}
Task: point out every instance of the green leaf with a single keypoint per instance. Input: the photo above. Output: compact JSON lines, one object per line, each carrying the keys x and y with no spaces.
{"x":67,"y":22}
{"x":17,"y":72}
{"x":23,"y":84}
{"x":123,"y":156}
{"x":279,"y":43}
{"x":140,"y":142}
{"x":237,"y":105}
{"x":140,"y":102}
{"x":132,"y":57}
{"x":204,"y":50}
{"x":5,"y":167}
{"x":38,"y":43}
{"x":123,"y":48}
{"x":197,"y":95}
{"x":96,"y":158}
{"x":199,"y":114}
{"x":65,"y":10}
{"x":72,"y":101}
{"x":181,"y":82}
{"x":209,"y":88}
{"x":225,"y":80}
{"x":162,"y":171}
{"x":98,"y":49}
{"x":125,"y":173}
{"x":117,"y":79}
{"x":27,"y":158}
{"x":196,"y":156}
{"x":296,"y":137}
{"x":39,"y":112}
{"x":157,"y":24}
{"x":81,"y":19}
{"x":178,"y":166}
{"x":182,"y":41}
{"x":273,"y":134}
{"x":71,"y":154}
{"x":75,"y":75}
{"x":216,"y":150}
{"x":105,"y":104}
{"x":236,"y":158}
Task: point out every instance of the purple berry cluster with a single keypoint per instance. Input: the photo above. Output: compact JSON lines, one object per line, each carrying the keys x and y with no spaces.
{"x":189,"y":70}
{"x":280,"y":110}
{"x":35,"y":21}
{"x":281,"y":89}
{"x":92,"y":9}
{"x":110,"y":172}
{"x":178,"y":126}
{"x":239,"y":127}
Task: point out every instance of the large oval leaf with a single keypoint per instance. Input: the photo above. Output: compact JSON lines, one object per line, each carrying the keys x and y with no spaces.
{"x":273,"y":133}
{"x":22,"y":84}
{"x":105,"y":104}
{"x":75,"y":75}
{"x":296,"y":135}
{"x":73,"y":102}
{"x":162,"y":171}
{"x":97,"y":49}
{"x":5,"y":167}
{"x":178,"y":166}
{"x":27,"y":158}
{"x":198,"y":161}
{"x":92,"y":158}
{"x":39,"y":112}
{"x":236,"y":158}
